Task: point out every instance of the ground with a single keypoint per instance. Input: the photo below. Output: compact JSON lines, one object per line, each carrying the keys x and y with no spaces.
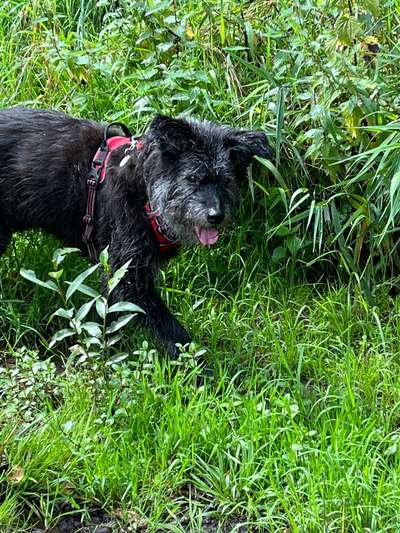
{"x":297,"y":429}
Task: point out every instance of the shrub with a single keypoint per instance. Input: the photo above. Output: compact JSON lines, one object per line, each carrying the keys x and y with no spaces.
{"x":320,"y":77}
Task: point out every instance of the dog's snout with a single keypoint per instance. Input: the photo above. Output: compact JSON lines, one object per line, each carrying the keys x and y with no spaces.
{"x":215,"y":216}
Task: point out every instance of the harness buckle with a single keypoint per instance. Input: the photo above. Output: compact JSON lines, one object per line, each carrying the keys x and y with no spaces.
{"x":88,"y":220}
{"x":92,"y":182}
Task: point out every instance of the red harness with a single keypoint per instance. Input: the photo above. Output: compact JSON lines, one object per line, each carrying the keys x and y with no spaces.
{"x":97,"y":175}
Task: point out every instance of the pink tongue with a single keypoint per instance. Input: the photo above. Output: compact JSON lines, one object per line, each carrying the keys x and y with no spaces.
{"x":207,"y":236}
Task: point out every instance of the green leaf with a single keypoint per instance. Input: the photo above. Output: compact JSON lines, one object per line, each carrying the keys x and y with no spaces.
{"x":347,"y":29}
{"x":222,"y":29}
{"x":250,"y":36}
{"x":117,"y":359}
{"x":104,"y":260}
{"x":79,"y":279}
{"x":82,"y":358}
{"x":158,"y":6}
{"x":118,"y":275}
{"x":283,"y":231}
{"x":113,"y":340}
{"x":90,"y":341}
{"x":60,"y":335}
{"x":92,"y":328}
{"x":84,"y":310}
{"x":64,"y":313}
{"x":60,"y":253}
{"x":392,"y":449}
{"x":86,"y":290}
{"x":294,"y":244}
{"x":31,"y":276}
{"x":279,"y":124}
{"x":394,"y":197}
{"x":125,"y":306}
{"x":120,"y":323}
{"x":68,"y":426}
{"x":373,"y":7}
{"x":274,"y":171}
{"x":394,"y":185}
{"x":57,"y":274}
{"x":278,"y":254}
{"x":101,"y":307}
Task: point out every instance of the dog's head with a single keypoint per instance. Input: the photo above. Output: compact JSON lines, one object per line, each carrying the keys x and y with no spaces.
{"x":194,"y":171}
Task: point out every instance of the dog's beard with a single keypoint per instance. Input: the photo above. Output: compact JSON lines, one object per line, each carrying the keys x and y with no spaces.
{"x":188,"y":223}
{"x":168,"y":211}
{"x":184,"y":217}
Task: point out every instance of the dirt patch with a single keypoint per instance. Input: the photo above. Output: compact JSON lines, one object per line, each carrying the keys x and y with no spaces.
{"x":97,"y":521}
{"x":213,"y":525}
{"x":100,"y":522}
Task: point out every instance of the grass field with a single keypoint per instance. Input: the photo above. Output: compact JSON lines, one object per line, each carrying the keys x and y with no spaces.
{"x":298,"y":430}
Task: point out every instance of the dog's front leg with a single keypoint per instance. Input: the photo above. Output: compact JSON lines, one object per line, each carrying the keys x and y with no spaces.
{"x":139,"y":289}
{"x":163,"y":324}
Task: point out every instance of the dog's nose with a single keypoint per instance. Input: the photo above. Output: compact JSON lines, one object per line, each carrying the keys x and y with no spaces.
{"x":215,"y":217}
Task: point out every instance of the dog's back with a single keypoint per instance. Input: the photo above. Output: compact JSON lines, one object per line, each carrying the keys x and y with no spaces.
{"x":44,"y":158}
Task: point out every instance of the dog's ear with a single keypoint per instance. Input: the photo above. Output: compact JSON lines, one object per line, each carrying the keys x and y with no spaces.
{"x":172,"y":134}
{"x":244,"y":144}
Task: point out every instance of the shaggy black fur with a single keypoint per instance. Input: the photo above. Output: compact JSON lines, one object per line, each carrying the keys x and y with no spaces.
{"x":189,"y":171}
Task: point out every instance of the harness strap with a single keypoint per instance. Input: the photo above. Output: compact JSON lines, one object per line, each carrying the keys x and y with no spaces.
{"x":96,"y":175}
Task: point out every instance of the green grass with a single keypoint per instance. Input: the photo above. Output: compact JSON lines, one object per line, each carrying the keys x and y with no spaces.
{"x":298,"y":429}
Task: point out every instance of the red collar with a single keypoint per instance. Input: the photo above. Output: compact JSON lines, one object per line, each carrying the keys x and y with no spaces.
{"x":165,"y":242}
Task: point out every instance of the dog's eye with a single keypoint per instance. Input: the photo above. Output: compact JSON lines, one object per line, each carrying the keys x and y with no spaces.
{"x":194,"y":179}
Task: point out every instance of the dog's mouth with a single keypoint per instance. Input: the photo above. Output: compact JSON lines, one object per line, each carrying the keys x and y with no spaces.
{"x":206,"y":236}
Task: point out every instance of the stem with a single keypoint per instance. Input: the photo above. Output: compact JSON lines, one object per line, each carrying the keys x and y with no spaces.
{"x":350,"y":7}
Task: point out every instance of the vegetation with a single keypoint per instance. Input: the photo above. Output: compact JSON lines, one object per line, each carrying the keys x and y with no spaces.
{"x":298,"y":428}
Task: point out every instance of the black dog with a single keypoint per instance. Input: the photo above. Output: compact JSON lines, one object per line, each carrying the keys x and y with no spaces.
{"x":179,"y":182}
